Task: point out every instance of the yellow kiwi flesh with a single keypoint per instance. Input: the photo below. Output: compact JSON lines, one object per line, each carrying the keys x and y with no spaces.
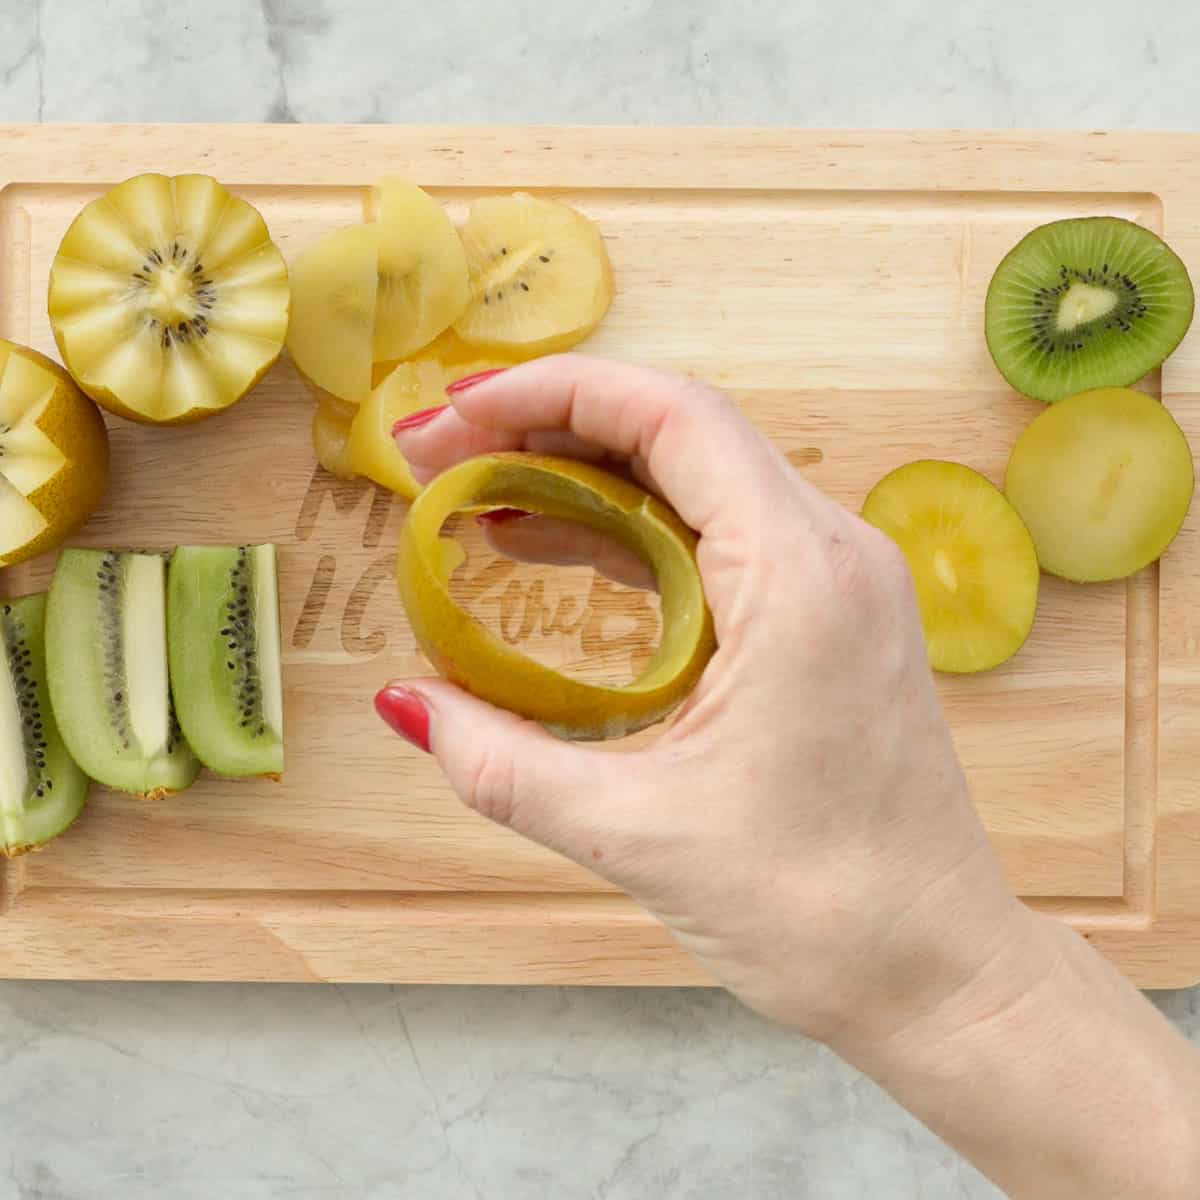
{"x":462,"y":650}
{"x":541,"y":279}
{"x":423,"y":285}
{"x":351,"y":441}
{"x":335,"y":286}
{"x":331,"y":436}
{"x":972,"y":560}
{"x":1103,"y":480}
{"x":168,"y":300}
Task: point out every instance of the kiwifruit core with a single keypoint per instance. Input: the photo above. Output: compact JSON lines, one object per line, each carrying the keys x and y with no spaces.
{"x":176,"y":296}
{"x":241,"y":637}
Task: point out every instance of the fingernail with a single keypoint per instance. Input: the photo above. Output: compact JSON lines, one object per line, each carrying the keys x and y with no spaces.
{"x":406,"y":713}
{"x":469,"y":381}
{"x":417,"y":419}
{"x":501,"y":516}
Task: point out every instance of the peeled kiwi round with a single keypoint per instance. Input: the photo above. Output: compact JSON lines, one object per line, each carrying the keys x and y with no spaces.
{"x":1085,"y":303}
{"x":1103,"y":480}
{"x":972,"y":560}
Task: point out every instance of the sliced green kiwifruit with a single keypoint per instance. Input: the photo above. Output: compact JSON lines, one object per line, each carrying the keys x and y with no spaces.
{"x":1085,"y":303}
{"x":972,"y":561}
{"x":461,"y":649}
{"x":42,"y":790}
{"x":1103,"y":480}
{"x":223,"y":632}
{"x":106,"y":665}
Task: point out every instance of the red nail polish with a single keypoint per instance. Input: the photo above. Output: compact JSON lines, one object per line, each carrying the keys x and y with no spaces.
{"x":406,"y":713}
{"x":501,"y":516}
{"x":469,"y":381}
{"x":417,"y":419}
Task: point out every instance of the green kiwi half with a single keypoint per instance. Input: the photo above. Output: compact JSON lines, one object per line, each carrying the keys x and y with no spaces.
{"x":42,"y":791}
{"x":106,"y":666}
{"x":1085,"y":303}
{"x":223,"y":632}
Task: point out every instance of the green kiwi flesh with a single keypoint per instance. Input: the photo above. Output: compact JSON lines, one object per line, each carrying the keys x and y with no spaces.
{"x":42,"y":791}
{"x":223,"y":632}
{"x":106,"y":665}
{"x":1085,"y":303}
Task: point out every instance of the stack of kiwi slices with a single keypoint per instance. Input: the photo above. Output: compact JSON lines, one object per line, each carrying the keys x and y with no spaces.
{"x":136,"y":670}
{"x":386,"y":314}
{"x":1099,"y":483}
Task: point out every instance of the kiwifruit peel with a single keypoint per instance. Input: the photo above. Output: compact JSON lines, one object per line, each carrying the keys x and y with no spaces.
{"x":54,"y":454}
{"x":462,"y":650}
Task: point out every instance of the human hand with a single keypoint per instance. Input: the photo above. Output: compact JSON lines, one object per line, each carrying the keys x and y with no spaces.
{"x":803,"y":827}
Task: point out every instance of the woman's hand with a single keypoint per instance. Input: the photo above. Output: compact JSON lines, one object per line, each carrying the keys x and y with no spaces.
{"x":803,"y":827}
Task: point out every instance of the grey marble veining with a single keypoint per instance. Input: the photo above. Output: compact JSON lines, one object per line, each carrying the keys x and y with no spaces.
{"x":373,"y":1093}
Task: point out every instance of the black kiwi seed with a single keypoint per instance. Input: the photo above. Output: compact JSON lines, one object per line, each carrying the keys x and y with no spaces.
{"x":203,"y":293}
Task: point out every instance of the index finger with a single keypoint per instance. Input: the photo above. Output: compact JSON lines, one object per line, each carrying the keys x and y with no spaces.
{"x":705,"y":457}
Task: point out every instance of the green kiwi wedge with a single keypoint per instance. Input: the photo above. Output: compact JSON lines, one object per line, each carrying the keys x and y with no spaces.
{"x":1085,"y":303}
{"x":106,"y":666}
{"x":42,"y":791}
{"x":223,"y":633}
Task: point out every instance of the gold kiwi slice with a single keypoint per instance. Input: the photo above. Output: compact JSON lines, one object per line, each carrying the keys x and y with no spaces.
{"x":1104,"y":480}
{"x":971,"y":558}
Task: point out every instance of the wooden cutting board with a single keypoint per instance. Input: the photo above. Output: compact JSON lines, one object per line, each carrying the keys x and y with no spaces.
{"x":835,"y":284}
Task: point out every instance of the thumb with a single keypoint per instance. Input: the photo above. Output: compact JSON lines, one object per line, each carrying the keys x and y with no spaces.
{"x":508,"y":769}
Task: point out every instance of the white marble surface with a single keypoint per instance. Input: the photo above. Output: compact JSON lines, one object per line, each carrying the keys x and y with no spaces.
{"x":374,"y":1093}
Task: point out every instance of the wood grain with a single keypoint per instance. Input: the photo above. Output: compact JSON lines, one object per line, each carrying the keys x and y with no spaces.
{"x":834,"y":283}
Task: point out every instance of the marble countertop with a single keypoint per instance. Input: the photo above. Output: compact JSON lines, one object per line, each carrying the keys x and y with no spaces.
{"x":373,"y":1093}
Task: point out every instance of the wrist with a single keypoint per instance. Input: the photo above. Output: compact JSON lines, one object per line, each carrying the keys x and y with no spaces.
{"x":967,"y":951}
{"x":1052,"y":1074}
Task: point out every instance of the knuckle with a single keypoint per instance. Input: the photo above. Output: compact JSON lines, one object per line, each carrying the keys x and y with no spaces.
{"x":491,"y":784}
{"x":849,"y":563}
